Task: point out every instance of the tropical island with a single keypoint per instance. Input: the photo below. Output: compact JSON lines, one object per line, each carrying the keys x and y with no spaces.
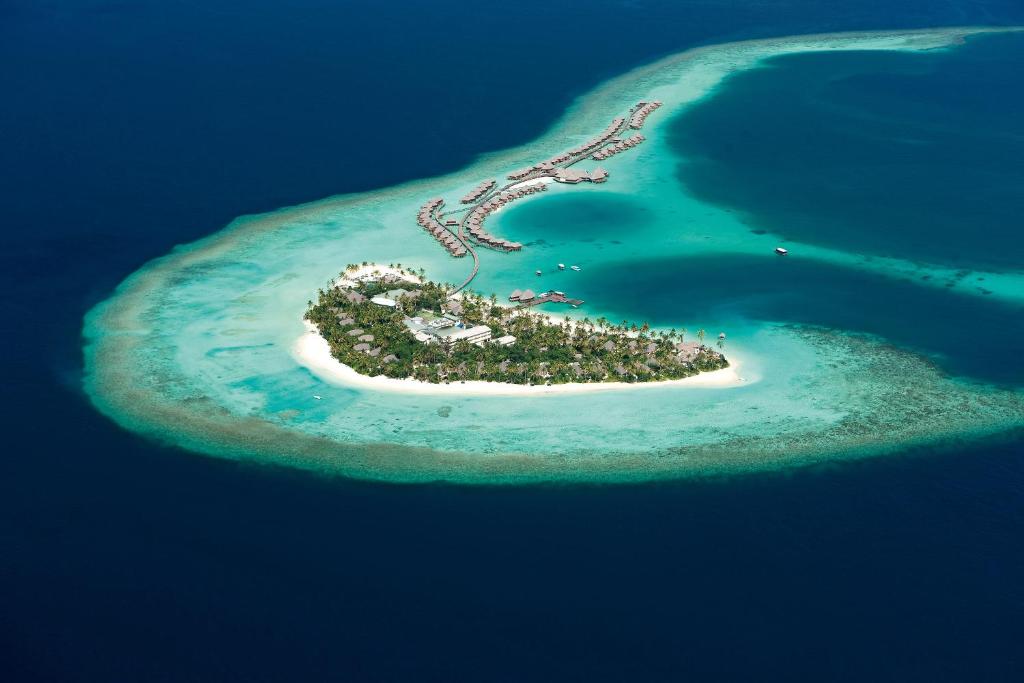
{"x":204,"y":347}
{"x":393,"y":322}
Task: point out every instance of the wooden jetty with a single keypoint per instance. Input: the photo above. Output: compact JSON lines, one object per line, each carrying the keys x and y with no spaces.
{"x":527,"y":298}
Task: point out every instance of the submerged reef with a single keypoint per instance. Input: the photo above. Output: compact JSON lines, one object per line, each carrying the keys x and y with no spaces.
{"x":197,"y":348}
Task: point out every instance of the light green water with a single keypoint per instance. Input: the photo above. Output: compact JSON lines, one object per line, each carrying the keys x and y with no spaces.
{"x":196,"y":347}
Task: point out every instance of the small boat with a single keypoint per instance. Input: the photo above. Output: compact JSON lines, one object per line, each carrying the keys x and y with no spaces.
{"x":317,"y":397}
{"x":561,"y":266}
{"x":721,"y":335}
{"x":781,"y":251}
{"x":576,"y":268}
{"x":538,"y":272}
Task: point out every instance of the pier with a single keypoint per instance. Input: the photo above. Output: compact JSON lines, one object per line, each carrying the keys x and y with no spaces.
{"x":618,"y":146}
{"x":458,"y":235}
{"x":547,"y":168}
{"x":526,"y":298}
{"x":478,"y":191}
{"x":642,"y":111}
{"x":429,"y":221}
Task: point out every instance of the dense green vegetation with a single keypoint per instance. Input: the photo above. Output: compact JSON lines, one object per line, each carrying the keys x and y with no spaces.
{"x":374,"y":340}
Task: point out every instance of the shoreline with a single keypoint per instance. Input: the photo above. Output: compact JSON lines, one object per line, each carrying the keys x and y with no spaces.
{"x":351,"y":277}
{"x":312,"y":352}
{"x":211,"y":383}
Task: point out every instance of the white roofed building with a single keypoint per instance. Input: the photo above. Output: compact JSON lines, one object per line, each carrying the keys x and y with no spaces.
{"x":477,"y":334}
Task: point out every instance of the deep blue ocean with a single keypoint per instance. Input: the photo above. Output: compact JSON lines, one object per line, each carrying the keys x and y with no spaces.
{"x":129,"y":127}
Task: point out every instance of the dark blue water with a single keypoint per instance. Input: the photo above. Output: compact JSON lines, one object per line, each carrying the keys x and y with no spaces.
{"x":909,"y":155}
{"x":128,"y":127}
{"x":966,"y":335}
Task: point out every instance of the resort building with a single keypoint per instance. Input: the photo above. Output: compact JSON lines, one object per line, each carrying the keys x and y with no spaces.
{"x":428,"y":219}
{"x":573,"y":176}
{"x":548,"y":167}
{"x":618,"y":146}
{"x":643,"y":110}
{"x":478,"y":334}
{"x":507,"y":340}
{"x":478,"y":191}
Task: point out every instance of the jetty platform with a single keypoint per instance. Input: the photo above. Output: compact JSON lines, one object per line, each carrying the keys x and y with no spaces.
{"x":527,"y":297}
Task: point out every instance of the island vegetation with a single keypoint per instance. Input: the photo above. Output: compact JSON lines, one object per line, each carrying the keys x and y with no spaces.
{"x":394,"y":322}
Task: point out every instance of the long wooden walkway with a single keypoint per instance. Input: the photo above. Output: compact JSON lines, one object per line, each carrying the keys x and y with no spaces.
{"x":496,"y":189}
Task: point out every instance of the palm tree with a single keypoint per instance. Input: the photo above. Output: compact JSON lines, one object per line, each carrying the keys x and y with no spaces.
{"x":721,"y":343}
{"x":700,"y":335}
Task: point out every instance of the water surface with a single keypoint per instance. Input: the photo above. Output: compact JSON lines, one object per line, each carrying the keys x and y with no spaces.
{"x":915,"y":156}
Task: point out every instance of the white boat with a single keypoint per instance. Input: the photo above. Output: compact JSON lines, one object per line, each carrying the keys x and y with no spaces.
{"x":781,"y":251}
{"x":538,"y":272}
{"x":576,"y":268}
{"x":561,"y":266}
{"x":317,"y":397}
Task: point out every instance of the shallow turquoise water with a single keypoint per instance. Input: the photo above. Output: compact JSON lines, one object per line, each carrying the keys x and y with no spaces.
{"x":199,"y":348}
{"x":603,"y":218}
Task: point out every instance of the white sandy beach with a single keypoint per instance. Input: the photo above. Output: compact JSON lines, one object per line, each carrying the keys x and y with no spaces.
{"x":351,"y":277}
{"x":312,"y":351}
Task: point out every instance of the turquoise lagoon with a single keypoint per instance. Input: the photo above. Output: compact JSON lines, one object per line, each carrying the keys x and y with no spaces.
{"x":845,"y":351}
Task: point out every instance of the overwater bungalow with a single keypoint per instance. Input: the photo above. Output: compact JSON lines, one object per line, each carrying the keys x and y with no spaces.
{"x":643,"y":110}
{"x":478,"y":191}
